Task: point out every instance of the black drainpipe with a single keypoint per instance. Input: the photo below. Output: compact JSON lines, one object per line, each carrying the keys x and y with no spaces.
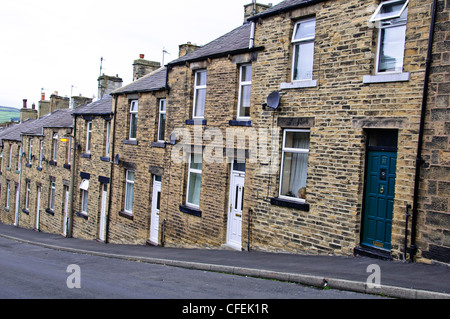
{"x":419,"y":159}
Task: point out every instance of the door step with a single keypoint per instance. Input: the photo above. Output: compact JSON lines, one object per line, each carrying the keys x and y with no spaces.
{"x":371,"y":252}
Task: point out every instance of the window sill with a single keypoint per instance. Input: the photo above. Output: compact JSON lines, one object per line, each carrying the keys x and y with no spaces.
{"x":130,"y":142}
{"x":39,"y":168}
{"x":298,"y":84}
{"x":28,"y":165}
{"x":26,"y":211}
{"x":126,"y":215}
{"x":66,"y":166}
{"x":289,"y":203}
{"x":105,"y":159}
{"x":82,"y":215}
{"x":389,"y":77}
{"x":190,"y":210}
{"x":240,"y":123}
{"x":85,"y":155}
{"x":53,"y":163}
{"x":158,"y":144}
{"x":196,"y":122}
{"x":49,"y":211}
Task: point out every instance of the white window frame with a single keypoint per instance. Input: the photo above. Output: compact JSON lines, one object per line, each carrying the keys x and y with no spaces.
{"x":108,"y":138}
{"x":41,"y":155}
{"x":243,"y":84}
{"x":8,"y":192}
{"x":19,"y":153}
{"x":27,"y":196}
{"x":88,"y":136}
{"x":374,"y":17}
{"x":134,"y":110}
{"x":195,"y":171}
{"x":69,"y":149}
{"x":84,"y":201}
{"x":290,"y":150}
{"x":30,"y":150}
{"x":299,"y":42}
{"x":10,"y":156}
{"x":127,"y":189}
{"x":196,"y":89}
{"x":55,"y":146}
{"x":162,"y":113}
{"x":383,"y":25}
{"x":52,"y":195}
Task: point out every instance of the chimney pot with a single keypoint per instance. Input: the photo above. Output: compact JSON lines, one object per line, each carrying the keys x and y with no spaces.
{"x":33,"y":106}
{"x":43,"y":96}
{"x":141,"y":56}
{"x":24,"y":103}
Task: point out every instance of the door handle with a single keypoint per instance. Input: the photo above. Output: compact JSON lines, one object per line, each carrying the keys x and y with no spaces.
{"x":382,"y":189}
{"x":238,"y":215}
{"x":231,"y":207}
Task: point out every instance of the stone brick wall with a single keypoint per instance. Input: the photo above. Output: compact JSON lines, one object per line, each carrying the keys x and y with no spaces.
{"x":11,"y":174}
{"x":343,"y":108}
{"x":433,"y":233}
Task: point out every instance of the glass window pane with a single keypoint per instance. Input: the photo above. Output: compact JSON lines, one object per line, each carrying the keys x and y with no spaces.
{"x":196,"y":161}
{"x":134,"y":106}
{"x":162,"y":126}
{"x":304,"y":59}
{"x":195,"y":180}
{"x":244,"y":109}
{"x":129,"y":197}
{"x":130,"y":176}
{"x":246,"y":75}
{"x":306,"y":29}
{"x":200,"y":102}
{"x":392,"y":47}
{"x":133,"y":125}
{"x":294,"y":175}
{"x":201,"y":78}
{"x":389,"y":10}
{"x":297,"y":140}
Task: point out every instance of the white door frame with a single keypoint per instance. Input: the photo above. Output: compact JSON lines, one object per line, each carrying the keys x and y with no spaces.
{"x":38,"y":207}
{"x":102,"y":224}
{"x":235,"y":205}
{"x":154,"y":215}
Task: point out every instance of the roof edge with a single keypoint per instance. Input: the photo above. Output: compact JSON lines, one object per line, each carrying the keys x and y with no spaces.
{"x":269,"y":12}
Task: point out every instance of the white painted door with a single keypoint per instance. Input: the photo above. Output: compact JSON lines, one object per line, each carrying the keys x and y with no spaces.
{"x":154,"y":218}
{"x":38,"y":207}
{"x":236,"y":203}
{"x":102,"y":230}
{"x":16,"y":220}
{"x":66,"y":210}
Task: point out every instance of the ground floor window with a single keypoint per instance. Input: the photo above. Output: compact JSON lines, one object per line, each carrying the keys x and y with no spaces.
{"x":194,"y":180}
{"x":294,"y":166}
{"x":129,"y":191}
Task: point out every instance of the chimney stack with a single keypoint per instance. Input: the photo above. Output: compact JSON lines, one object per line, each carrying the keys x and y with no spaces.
{"x":186,"y":48}
{"x":143,"y":67}
{"x":254,"y":8}
{"x":26,"y":113}
{"x":107,"y":84}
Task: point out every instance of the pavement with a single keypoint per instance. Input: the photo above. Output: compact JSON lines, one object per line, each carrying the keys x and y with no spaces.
{"x":360,"y":274}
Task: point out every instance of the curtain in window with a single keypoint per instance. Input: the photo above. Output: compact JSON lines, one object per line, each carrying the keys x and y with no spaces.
{"x":195,"y":181}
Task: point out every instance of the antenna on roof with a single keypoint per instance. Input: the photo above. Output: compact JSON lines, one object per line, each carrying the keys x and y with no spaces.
{"x":164,"y":52}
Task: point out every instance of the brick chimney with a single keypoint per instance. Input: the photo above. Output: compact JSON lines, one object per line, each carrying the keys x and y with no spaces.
{"x":143,"y":67}
{"x":186,"y":48}
{"x":107,"y":84}
{"x":26,"y":113}
{"x":78,"y":101}
{"x":254,"y":8}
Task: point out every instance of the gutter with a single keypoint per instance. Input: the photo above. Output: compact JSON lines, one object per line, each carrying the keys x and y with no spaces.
{"x":274,"y":11}
{"x":419,"y":159}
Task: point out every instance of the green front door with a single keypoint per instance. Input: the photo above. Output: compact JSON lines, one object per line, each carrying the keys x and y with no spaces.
{"x":379,"y":199}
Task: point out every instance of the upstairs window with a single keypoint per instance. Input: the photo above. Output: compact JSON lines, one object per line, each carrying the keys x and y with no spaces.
{"x":88,"y":136}
{"x":30,"y":151}
{"x":199,"y":94}
{"x":108,"y":138}
{"x":390,"y":17}
{"x":55,"y":146}
{"x":41,"y":155}
{"x":162,"y":120}
{"x":303,"y":42}
{"x":134,"y":107}
{"x":245,"y":84}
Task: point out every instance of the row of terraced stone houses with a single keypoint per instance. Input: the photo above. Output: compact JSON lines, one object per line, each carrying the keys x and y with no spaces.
{"x":317,"y":127}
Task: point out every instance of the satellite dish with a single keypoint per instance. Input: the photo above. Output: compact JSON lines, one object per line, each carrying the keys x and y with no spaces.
{"x":116,"y":159}
{"x":273,"y":100}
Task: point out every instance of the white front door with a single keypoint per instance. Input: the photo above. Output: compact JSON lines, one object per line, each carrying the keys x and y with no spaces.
{"x":236,"y":203}
{"x":16,"y":220}
{"x":154,"y":218}
{"x":38,"y":207}
{"x":101,"y":231}
{"x":66,"y":209}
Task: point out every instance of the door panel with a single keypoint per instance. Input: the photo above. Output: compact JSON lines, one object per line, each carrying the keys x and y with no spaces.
{"x":379,"y":199}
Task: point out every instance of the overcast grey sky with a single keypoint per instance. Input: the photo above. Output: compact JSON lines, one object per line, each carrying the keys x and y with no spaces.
{"x":55,"y":44}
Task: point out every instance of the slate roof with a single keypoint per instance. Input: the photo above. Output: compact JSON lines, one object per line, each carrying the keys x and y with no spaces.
{"x":57,"y":119}
{"x":14,"y":132}
{"x":99,"y":107}
{"x":286,"y":5}
{"x":234,"y":41}
{"x":154,"y":81}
